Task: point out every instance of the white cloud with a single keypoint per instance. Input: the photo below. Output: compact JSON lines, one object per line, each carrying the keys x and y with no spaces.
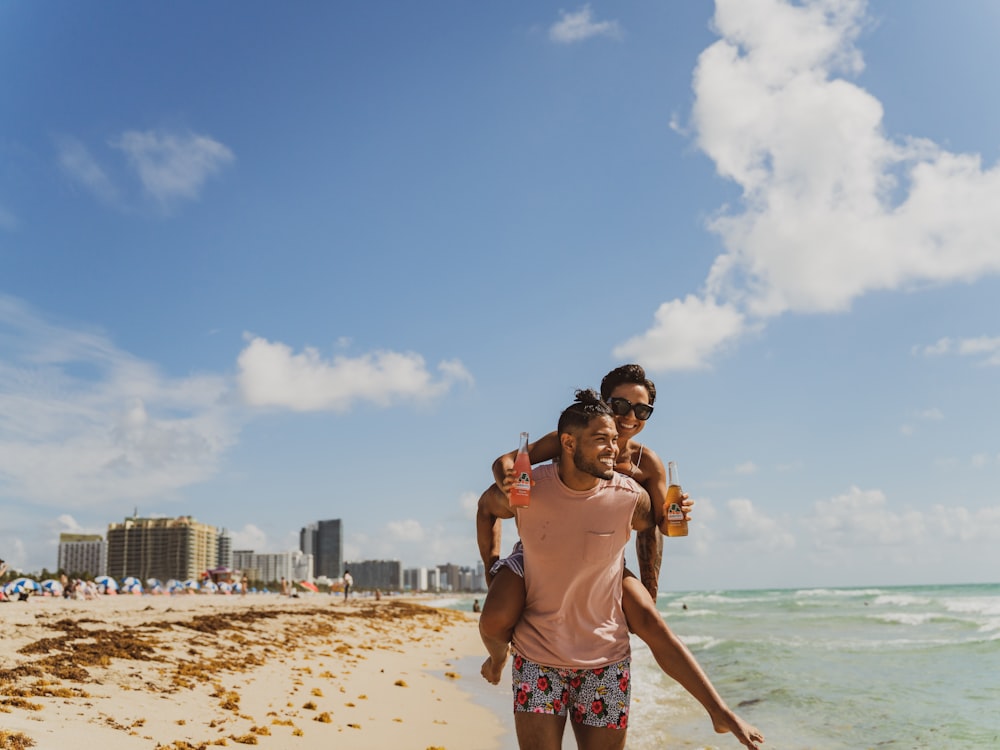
{"x":985,"y":347}
{"x":964,"y":525}
{"x":250,"y":537}
{"x":173,"y":166}
{"x":87,"y":424}
{"x":940,"y":347}
{"x":684,"y":333}
{"x":861,"y":518}
{"x":77,"y":162}
{"x":270,"y":374}
{"x":747,"y":467}
{"x":832,"y":208}
{"x":578,"y":26}
{"x":750,"y":524}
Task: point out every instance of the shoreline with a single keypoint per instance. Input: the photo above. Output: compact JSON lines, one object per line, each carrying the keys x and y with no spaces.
{"x":197,"y":671}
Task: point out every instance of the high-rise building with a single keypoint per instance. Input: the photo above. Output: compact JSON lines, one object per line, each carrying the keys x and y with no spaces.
{"x":163,"y":548}
{"x":386,"y":575}
{"x":82,"y":555}
{"x":325,"y":540}
{"x":271,"y":567}
{"x":450,"y":579}
{"x":415,"y":579}
{"x":224,"y":552}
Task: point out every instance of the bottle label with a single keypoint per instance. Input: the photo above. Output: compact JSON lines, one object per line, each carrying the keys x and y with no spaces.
{"x":675,"y":514}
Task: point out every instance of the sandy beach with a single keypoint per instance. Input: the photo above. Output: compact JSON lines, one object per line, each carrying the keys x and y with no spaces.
{"x":197,"y":671}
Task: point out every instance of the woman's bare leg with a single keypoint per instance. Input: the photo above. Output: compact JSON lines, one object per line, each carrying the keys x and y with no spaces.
{"x":501,"y":610}
{"x":674,"y":658}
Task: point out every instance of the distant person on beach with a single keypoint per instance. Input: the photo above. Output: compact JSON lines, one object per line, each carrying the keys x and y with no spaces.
{"x":475,"y":605}
{"x":571,"y":645}
{"x":348,"y":582}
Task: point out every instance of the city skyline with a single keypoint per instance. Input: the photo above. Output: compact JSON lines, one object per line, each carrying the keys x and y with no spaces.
{"x":93,"y":548}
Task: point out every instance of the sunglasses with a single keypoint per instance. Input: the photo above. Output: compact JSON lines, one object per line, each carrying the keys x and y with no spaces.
{"x":622,"y":406}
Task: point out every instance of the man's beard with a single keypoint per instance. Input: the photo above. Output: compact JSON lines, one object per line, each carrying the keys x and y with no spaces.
{"x":595,"y":468}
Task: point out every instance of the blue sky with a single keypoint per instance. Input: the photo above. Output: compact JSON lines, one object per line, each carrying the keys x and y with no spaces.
{"x":266,"y":264}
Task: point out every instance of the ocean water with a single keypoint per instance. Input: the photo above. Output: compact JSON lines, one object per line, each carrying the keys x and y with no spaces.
{"x":903,"y":668}
{"x":832,"y":669}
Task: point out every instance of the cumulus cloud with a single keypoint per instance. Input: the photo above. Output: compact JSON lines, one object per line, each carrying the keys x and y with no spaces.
{"x":172,"y":166}
{"x":271,"y":374}
{"x":684,"y":334}
{"x":578,"y":26}
{"x":751,"y":524}
{"x":87,"y":424}
{"x":862,"y":518}
{"x":250,"y":537}
{"x":832,"y":207}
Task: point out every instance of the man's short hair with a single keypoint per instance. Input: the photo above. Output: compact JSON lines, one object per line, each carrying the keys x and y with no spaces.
{"x":588,"y":405}
{"x":627,"y":374}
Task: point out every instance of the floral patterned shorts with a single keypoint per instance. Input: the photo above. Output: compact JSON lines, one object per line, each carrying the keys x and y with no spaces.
{"x":592,"y":697}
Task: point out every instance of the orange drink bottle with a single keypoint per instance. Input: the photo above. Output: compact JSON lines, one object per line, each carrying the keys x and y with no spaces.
{"x":520,"y":493}
{"x":677,"y":525}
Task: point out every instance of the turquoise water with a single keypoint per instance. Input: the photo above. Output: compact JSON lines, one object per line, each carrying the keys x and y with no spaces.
{"x":829,"y":669}
{"x":900,"y":667}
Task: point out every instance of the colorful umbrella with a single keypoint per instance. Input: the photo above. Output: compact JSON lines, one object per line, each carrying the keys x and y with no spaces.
{"x":131,"y":585}
{"x":22,"y":586}
{"x":309,"y":585}
{"x":52,"y":586}
{"x":106,"y":584}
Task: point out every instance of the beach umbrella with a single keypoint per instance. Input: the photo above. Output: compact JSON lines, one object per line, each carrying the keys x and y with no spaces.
{"x":155,"y":585}
{"x":106,"y":584}
{"x":22,"y":586}
{"x":52,"y":586}
{"x":209,"y":586}
{"x":190,"y":584}
{"x":173,"y":586}
{"x":310,"y":586}
{"x":25,"y":584}
{"x":131,"y":585}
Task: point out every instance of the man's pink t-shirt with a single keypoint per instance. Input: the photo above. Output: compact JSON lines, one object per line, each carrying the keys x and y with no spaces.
{"x":574,"y":544}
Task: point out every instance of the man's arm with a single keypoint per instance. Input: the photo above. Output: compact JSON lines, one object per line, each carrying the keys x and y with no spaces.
{"x":494,"y":506}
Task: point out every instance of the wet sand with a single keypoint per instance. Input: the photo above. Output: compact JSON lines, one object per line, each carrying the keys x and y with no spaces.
{"x":201,"y":671}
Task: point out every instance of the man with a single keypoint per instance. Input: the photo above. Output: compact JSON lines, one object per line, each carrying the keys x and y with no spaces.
{"x":571,"y":645}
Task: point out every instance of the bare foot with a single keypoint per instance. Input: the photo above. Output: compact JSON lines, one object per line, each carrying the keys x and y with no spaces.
{"x":491,"y":671}
{"x":746,"y":733}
